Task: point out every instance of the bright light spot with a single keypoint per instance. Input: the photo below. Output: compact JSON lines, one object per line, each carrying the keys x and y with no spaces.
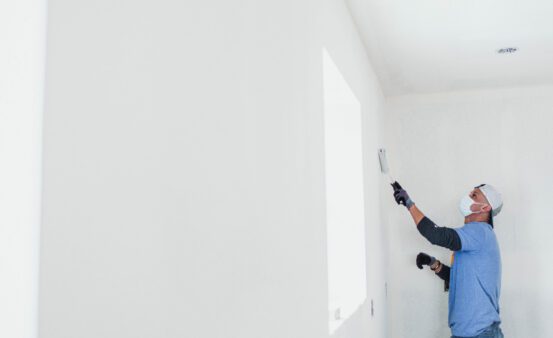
{"x":344,"y":197}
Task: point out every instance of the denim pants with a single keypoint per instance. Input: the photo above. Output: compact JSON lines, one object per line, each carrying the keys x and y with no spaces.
{"x":494,"y":331}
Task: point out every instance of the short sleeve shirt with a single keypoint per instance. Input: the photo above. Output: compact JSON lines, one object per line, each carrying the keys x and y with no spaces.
{"x":475,"y":281}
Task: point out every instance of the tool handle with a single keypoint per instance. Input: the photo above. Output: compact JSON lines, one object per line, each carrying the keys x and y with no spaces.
{"x":396,"y":186}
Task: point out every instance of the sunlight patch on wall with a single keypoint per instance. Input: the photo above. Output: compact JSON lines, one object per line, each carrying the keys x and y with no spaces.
{"x":344,"y":196}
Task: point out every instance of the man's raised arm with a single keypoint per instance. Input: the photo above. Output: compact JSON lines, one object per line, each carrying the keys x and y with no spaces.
{"x":442,"y":236}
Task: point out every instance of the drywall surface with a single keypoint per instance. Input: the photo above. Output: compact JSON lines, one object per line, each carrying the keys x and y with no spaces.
{"x":22,"y":26}
{"x":344,"y":45}
{"x":183,"y":169}
{"x":440,"y":147}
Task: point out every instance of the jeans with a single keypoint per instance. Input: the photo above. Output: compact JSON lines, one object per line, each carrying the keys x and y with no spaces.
{"x":494,"y":331}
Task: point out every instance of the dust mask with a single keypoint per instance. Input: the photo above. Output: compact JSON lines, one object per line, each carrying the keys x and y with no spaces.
{"x":465,"y":204}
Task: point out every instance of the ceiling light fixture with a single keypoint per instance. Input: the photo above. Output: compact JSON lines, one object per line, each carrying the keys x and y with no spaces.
{"x":508,"y":50}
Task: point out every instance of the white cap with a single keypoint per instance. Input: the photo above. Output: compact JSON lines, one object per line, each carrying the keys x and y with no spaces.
{"x":493,"y":196}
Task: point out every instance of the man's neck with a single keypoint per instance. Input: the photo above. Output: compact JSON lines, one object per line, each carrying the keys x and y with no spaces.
{"x":479,"y":217}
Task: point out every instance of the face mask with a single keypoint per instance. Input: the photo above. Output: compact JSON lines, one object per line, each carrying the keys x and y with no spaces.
{"x":465,"y":204}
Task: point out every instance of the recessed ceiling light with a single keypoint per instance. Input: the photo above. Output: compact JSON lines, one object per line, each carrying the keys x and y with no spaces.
{"x":508,"y":50}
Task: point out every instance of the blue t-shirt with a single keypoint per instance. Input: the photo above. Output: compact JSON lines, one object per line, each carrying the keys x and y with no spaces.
{"x":475,"y":281}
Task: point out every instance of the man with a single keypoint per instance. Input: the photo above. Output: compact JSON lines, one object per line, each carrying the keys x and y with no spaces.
{"x":474,"y":278}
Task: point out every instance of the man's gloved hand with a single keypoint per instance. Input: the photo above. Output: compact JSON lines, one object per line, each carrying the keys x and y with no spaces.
{"x":401,"y":196}
{"x":424,"y":259}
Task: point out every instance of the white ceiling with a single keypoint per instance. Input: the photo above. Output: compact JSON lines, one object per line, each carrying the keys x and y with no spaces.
{"x":421,"y":46}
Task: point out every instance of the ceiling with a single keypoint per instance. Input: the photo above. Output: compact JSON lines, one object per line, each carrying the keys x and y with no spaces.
{"x":423,"y":46}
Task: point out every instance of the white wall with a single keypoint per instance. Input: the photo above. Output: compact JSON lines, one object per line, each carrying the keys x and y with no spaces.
{"x":341,"y":38}
{"x":22,"y":25}
{"x":183,"y":170}
{"x":440,"y":146}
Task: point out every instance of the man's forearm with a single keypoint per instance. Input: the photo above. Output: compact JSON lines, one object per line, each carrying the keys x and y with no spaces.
{"x":444,"y":272}
{"x":416,"y":214}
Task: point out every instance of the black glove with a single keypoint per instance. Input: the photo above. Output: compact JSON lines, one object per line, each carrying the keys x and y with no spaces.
{"x":424,"y":259}
{"x":401,"y":196}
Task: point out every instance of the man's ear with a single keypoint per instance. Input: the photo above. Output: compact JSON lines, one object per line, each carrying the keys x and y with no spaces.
{"x":487,"y":208}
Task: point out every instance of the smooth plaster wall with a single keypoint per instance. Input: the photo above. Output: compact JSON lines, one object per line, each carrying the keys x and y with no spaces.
{"x":342,"y":40}
{"x":183,"y":169}
{"x":22,"y":51}
{"x":440,"y":146}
